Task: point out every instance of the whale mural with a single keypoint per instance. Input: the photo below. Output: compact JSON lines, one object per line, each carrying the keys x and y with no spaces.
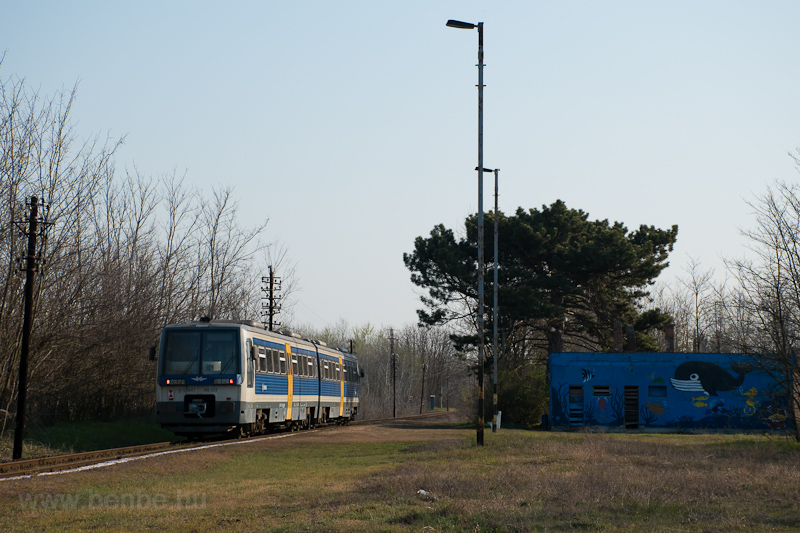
{"x":709,"y":378}
{"x":681,"y":391}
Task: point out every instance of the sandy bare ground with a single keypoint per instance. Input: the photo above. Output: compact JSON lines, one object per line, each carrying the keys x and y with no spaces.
{"x":430,"y":429}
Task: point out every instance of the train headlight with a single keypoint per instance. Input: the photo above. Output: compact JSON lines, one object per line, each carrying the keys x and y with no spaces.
{"x":224,"y":381}
{"x":175,"y":381}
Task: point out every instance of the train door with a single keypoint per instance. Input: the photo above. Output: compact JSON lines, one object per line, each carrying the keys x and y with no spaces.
{"x":251,"y":356}
{"x":318,"y":383}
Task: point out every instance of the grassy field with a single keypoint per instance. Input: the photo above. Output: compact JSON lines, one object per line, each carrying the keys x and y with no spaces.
{"x":368,"y":478}
{"x":74,"y":437}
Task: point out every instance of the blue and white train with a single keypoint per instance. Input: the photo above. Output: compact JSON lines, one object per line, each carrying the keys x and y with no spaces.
{"x":223,"y":377}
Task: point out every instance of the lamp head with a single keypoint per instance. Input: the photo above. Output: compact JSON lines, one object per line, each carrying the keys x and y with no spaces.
{"x":461,"y":25}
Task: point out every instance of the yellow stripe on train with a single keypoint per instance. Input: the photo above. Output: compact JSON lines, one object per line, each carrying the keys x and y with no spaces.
{"x":289,"y":405}
{"x":341,"y":383}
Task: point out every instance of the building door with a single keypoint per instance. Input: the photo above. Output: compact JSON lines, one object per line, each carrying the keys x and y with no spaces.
{"x":575,"y":405}
{"x":631,"y":407}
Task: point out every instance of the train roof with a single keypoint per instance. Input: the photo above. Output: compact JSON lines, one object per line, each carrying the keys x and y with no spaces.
{"x":257,"y":327}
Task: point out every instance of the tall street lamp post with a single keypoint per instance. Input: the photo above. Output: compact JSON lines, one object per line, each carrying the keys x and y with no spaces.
{"x":495,"y":315}
{"x":469,"y":26}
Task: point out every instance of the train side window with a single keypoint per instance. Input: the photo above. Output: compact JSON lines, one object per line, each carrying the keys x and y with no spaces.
{"x":305,"y":366}
{"x":275,"y":365}
{"x":294,"y":366}
{"x":325,"y":371}
{"x":262,"y":359}
{"x":338,"y":375}
{"x":282,"y":360}
{"x":310,"y":367}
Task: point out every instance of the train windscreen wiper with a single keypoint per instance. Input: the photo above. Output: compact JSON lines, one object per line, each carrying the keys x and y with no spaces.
{"x":193,"y":361}
{"x":226,"y":366}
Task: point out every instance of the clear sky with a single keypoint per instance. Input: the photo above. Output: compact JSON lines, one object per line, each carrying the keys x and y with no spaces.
{"x":352,"y":125}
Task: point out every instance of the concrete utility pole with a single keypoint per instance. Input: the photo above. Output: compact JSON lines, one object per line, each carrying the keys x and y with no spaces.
{"x":32,"y":264}
{"x":494,"y":307}
{"x":271,"y":308}
{"x":422,"y":392}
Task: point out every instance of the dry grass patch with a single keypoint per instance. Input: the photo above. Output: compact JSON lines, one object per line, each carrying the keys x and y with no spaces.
{"x":367,"y":480}
{"x":522,"y":481}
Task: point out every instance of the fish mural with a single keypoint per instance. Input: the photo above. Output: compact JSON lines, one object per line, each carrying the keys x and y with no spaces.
{"x":751,"y":402}
{"x":587,"y":375}
{"x":777,"y":420}
{"x":656,"y":408}
{"x":700,"y":401}
{"x":708,"y":378}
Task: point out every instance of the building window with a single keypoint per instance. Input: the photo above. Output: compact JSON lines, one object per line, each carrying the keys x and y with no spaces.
{"x":601,"y":391}
{"x":657,"y":391}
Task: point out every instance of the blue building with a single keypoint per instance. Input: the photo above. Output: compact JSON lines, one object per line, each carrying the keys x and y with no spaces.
{"x":668,"y":391}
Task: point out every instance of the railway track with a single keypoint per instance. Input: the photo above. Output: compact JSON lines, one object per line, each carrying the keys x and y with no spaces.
{"x":56,"y":463}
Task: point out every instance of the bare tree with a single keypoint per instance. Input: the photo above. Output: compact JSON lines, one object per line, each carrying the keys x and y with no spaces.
{"x":698,"y":285}
{"x":225,"y":252}
{"x":177,"y":225}
{"x":766,"y":306}
{"x":39,"y":154}
{"x":126,"y":254}
{"x":445,"y":373}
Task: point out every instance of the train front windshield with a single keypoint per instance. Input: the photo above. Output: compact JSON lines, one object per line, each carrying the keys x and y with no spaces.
{"x":201,"y":352}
